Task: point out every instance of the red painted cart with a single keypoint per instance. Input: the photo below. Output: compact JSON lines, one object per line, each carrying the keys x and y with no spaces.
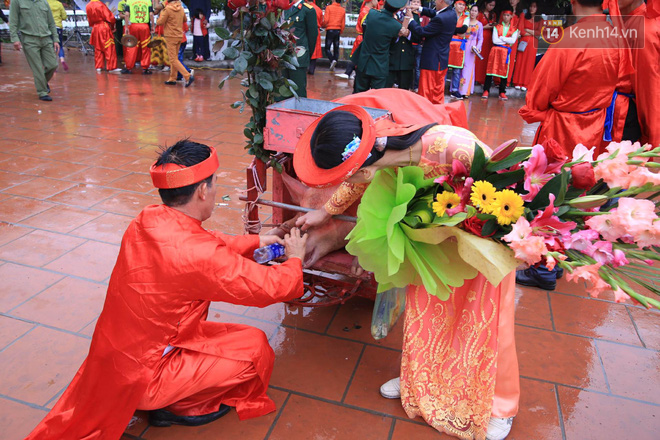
{"x":330,"y":280}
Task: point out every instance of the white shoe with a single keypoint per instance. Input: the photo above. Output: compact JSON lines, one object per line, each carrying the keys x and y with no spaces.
{"x":524,"y":89}
{"x":332,"y":65}
{"x":342,"y":75}
{"x":116,"y":71}
{"x":166,"y":69}
{"x":192,"y":72}
{"x":392,"y":389}
{"x":517,"y":87}
{"x":352,"y":75}
{"x":98,"y":70}
{"x":498,"y":428}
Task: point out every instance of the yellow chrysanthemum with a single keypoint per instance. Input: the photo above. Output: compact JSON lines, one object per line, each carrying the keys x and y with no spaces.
{"x":507,"y":207}
{"x":444,"y":201}
{"x":483,"y":195}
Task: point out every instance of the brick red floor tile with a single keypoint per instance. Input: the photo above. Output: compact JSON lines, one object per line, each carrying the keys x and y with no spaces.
{"x":138,"y":425}
{"x":23,"y":163}
{"x":590,"y":317}
{"x":108,"y":227}
{"x":92,"y":260}
{"x":353,"y":321}
{"x":532,"y":307}
{"x":302,"y":417}
{"x":565,"y":359}
{"x":84,"y":195}
{"x":61,"y":218}
{"x":38,"y":248}
{"x":37,"y":378}
{"x":9,"y":232}
{"x":140,"y":183}
{"x":70,"y":304}
{"x":313,"y":364}
{"x":57,"y":170}
{"x":408,"y":431}
{"x":565,"y":286}
{"x":127,"y":203}
{"x":8,"y":179}
{"x":631,"y":372}
{"x":32,"y":281}
{"x":227,"y":427}
{"x":111,"y":160}
{"x":308,"y":318}
{"x":44,"y":148}
{"x":11,"y":329}
{"x":648,"y":325}
{"x":97,"y":175}
{"x":590,"y":415}
{"x":15,"y":209}
{"x":17,"y":420}
{"x":538,"y":417}
{"x":226,"y":220}
{"x":140,"y":165}
{"x":40,"y":188}
{"x":228,"y":307}
{"x":377,"y":366}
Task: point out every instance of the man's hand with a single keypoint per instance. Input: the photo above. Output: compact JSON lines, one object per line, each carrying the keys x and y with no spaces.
{"x":409,"y":13}
{"x":17,"y":45}
{"x":265,"y":240}
{"x":313,"y":219}
{"x":56,"y":45}
{"x":295,"y":244}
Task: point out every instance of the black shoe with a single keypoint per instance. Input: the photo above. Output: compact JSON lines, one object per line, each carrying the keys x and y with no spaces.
{"x":45,"y":98}
{"x":48,"y":87}
{"x":163,"y":418}
{"x":125,"y":71}
{"x":147,"y":72}
{"x":190,"y":81}
{"x":170,"y":83}
{"x":537,"y":277}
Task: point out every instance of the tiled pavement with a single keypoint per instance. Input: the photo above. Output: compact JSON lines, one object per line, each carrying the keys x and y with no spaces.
{"x":73,"y":173}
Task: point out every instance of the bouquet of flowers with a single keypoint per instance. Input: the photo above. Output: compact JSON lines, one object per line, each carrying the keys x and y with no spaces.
{"x":595,"y":218}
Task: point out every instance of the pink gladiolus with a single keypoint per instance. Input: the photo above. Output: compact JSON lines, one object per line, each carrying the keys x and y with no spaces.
{"x":520,"y":230}
{"x":584,"y":273}
{"x":504,"y":150}
{"x":620,"y":296}
{"x":583,"y":154}
{"x":582,"y":240}
{"x":530,"y":250}
{"x":635,"y":215}
{"x":601,"y":251}
{"x":619,"y":258}
{"x":649,"y":236}
{"x":535,"y":173}
{"x":547,"y":223}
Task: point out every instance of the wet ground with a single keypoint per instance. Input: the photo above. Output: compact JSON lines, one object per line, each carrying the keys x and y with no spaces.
{"x":73,"y":172}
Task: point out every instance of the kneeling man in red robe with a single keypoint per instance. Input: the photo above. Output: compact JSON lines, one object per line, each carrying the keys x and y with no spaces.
{"x":153,"y":348}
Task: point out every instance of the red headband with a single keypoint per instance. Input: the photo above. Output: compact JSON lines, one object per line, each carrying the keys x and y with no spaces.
{"x":171,"y":175}
{"x":461,"y":1}
{"x":507,"y":11}
{"x":315,"y":176}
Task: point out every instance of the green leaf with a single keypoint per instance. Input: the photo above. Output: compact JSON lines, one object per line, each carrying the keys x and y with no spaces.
{"x":248,"y":133}
{"x":445,"y":220}
{"x":253,"y":92}
{"x":563,"y":186}
{"x":279,"y":52}
{"x":222,"y":83}
{"x":237,"y":104}
{"x":478,"y":163}
{"x":471,"y":211}
{"x":266,"y":23}
{"x":489,"y":227}
{"x":267,"y":85}
{"x":502,"y":180}
{"x":514,"y":158}
{"x":222,"y":33}
{"x":258,"y":139}
{"x":240,"y":64}
{"x":261,"y":31}
{"x":285,"y":92}
{"x":231,"y":53}
{"x":554,"y":186}
{"x":482,"y":216}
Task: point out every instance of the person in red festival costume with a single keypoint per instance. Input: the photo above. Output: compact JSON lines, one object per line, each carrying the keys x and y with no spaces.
{"x":488,"y":19}
{"x":526,"y":60}
{"x":571,"y":102}
{"x":645,"y":81}
{"x":153,"y":348}
{"x":102,"y":23}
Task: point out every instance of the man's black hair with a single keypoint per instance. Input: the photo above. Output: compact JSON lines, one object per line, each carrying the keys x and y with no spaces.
{"x":186,"y":153}
{"x":389,"y":8}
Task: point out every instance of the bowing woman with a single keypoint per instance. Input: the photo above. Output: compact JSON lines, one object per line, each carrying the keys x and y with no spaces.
{"x":459,"y":369}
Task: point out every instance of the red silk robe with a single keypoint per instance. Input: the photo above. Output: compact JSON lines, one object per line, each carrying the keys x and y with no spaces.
{"x":168,"y":270}
{"x":646,"y":80}
{"x":480,"y":66}
{"x":102,"y":23}
{"x":319,"y":20}
{"x":570,"y":90}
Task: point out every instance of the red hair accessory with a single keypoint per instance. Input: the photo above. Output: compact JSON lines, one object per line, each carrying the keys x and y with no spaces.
{"x":172,"y":175}
{"x":507,"y":11}
{"x":461,"y":1}
{"x":311,"y":174}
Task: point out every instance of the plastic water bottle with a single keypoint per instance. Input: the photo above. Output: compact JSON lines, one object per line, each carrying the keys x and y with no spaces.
{"x":268,"y":253}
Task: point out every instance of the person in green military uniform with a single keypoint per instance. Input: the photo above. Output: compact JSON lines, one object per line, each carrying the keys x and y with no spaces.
{"x":39,"y":40}
{"x":402,"y":57}
{"x":303,"y":19}
{"x":372,"y":58}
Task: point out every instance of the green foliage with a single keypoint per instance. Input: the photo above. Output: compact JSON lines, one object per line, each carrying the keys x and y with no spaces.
{"x":261,"y":51}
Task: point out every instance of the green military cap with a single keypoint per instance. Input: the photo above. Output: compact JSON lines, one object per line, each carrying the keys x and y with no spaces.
{"x":397,"y":3}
